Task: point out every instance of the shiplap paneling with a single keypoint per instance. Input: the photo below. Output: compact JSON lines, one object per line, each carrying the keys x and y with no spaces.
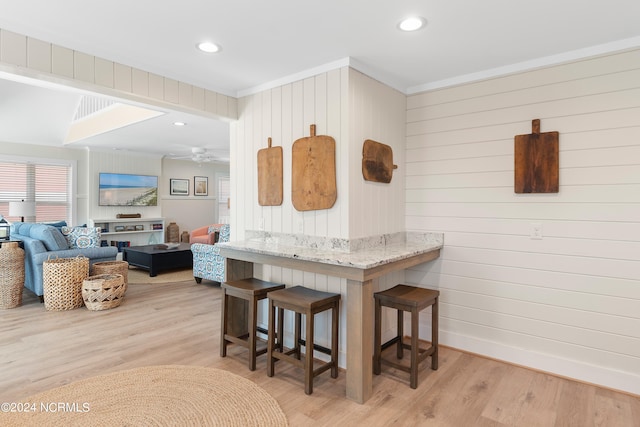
{"x":572,"y":298}
{"x":376,"y":112}
{"x":350,"y":107}
{"x":122,"y":162}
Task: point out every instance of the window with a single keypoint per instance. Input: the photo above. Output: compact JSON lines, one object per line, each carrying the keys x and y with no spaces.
{"x":224,"y":203}
{"x":47,"y":184}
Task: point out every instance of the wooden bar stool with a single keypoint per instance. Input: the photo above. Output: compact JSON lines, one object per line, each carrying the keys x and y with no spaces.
{"x":412,"y":299}
{"x":252,"y":291}
{"x":309,"y":302}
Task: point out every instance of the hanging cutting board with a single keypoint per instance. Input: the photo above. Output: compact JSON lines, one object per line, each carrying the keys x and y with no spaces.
{"x":536,"y":161}
{"x":377,"y":162}
{"x":313,"y":180}
{"x":270,"y":176}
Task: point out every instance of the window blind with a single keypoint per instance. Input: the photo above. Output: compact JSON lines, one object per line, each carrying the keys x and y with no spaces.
{"x":46,"y":184}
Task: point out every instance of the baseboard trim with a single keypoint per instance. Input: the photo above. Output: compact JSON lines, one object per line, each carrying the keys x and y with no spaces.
{"x":619,"y":381}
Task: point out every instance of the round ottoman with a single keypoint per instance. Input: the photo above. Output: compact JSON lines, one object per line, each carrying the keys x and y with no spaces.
{"x":112,"y":267}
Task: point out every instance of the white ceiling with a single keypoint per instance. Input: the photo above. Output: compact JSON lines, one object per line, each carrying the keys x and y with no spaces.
{"x":270,"y":41}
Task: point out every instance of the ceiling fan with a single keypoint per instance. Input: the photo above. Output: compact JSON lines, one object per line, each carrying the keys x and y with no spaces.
{"x":198,"y":155}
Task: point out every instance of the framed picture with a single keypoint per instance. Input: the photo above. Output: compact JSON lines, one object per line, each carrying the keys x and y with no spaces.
{"x":200,"y":185}
{"x":119,"y":227}
{"x":179,"y":187}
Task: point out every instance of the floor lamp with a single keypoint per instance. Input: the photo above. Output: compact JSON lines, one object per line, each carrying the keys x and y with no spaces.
{"x":22,"y":209}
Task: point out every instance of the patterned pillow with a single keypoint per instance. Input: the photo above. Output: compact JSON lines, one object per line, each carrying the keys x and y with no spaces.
{"x":82,"y":237}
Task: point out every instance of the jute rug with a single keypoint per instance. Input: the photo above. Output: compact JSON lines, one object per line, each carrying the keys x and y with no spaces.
{"x":170,"y":395}
{"x":138,"y":275}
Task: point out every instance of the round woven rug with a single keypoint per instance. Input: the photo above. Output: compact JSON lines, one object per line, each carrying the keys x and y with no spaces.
{"x":152,"y":396}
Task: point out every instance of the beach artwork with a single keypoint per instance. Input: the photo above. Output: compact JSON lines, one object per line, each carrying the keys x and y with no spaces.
{"x":118,"y":189}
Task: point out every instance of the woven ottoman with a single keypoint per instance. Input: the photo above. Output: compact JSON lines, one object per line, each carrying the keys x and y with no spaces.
{"x":103,"y":291}
{"x":112,"y":267}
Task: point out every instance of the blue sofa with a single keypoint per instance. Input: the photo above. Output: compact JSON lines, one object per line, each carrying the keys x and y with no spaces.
{"x":207,"y":261}
{"x":41,"y":242}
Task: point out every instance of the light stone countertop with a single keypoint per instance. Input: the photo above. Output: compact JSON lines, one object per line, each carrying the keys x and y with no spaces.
{"x":357,"y":253}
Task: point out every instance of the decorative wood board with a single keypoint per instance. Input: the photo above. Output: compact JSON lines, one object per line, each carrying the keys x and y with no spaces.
{"x":313,"y":180}
{"x":377,"y":162}
{"x":270,"y":176}
{"x":536,"y":161}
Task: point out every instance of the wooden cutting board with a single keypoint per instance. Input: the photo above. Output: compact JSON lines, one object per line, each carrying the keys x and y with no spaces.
{"x":536,"y":161}
{"x":313,"y":180}
{"x":377,"y":162}
{"x":270,"y":176}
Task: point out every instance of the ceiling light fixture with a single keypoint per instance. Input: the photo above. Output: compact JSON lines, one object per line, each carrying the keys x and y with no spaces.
{"x":413,"y":23}
{"x":179,"y":123}
{"x":208,"y":47}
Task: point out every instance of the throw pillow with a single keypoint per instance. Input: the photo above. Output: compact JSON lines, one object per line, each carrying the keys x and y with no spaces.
{"x":51,"y":237}
{"x":82,"y":237}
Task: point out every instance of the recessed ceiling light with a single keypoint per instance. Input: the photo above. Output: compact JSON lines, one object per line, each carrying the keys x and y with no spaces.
{"x":208,"y":47}
{"x":179,"y":123}
{"x":413,"y":23}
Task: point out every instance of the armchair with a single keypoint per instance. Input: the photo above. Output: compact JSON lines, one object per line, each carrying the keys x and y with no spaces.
{"x":206,"y":234}
{"x":207,"y":261}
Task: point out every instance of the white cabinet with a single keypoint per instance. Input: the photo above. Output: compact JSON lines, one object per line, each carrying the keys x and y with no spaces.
{"x":124,"y":232}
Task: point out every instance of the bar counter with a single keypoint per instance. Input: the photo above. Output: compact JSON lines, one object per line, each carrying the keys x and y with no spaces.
{"x":360,"y":261}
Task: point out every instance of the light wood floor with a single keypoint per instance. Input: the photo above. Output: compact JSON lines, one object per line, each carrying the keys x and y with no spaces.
{"x":179,"y":323}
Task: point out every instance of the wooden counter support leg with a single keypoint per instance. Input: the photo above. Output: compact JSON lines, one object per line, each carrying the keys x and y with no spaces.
{"x":238,"y":322}
{"x":359,"y":340}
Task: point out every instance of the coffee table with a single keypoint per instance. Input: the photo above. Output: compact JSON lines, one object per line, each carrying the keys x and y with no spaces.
{"x":155,"y":259}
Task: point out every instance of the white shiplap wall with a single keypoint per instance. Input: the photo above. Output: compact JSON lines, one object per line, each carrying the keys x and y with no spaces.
{"x":569,"y":303}
{"x":376,"y":112}
{"x":350,"y":107}
{"x":122,"y":162}
{"x":285,"y":114}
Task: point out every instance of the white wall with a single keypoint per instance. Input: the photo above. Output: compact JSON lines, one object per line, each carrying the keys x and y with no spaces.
{"x":350,"y":107}
{"x":285,"y":114}
{"x":346,"y":105}
{"x":569,"y":303}
{"x":376,"y":112}
{"x":190,"y":212}
{"x":121,"y":162}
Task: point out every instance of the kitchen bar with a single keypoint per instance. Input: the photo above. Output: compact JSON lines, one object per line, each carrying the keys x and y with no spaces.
{"x":359,"y":261}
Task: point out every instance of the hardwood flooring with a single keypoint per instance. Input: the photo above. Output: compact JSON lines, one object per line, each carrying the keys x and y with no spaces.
{"x":179,"y":323}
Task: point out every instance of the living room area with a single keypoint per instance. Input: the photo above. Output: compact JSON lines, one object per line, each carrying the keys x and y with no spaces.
{"x":537,"y":294}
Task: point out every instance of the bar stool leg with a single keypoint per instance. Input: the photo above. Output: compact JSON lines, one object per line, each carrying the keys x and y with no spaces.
{"x":224,"y":325}
{"x":334,"y":341}
{"x":271,"y":337}
{"x":434,"y":335}
{"x":377,"y":337}
{"x":280,"y":336}
{"x":415,"y":350}
{"x":297,"y":335}
{"x":400,"y":347}
{"x":308,"y":365}
{"x":253,"y":324}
